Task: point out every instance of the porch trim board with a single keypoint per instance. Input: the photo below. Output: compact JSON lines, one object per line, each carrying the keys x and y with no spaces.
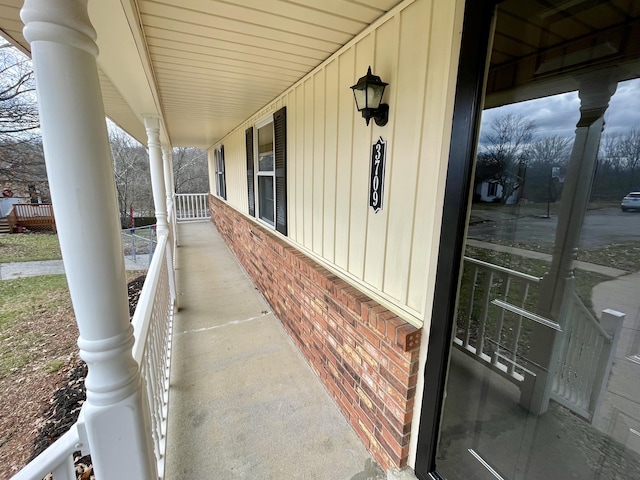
{"x":365,"y":355}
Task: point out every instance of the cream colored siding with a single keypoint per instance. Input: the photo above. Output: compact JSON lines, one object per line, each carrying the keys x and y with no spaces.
{"x":332,"y":84}
{"x":402,"y":180}
{"x":319,"y":96}
{"x":305,"y":136}
{"x":392,"y":252}
{"x":235,"y":164}
{"x":346,"y":115}
{"x":445,"y":33}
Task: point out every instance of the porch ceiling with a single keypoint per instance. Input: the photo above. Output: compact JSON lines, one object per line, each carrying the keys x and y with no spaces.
{"x":545,"y":49}
{"x":205,"y":66}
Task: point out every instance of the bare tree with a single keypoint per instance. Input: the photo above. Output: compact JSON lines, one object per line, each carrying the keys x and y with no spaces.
{"x":131,"y":170}
{"x":552,"y":151}
{"x":20,"y":149}
{"x":190,"y":170}
{"x":546,"y":166}
{"x":504,"y":152}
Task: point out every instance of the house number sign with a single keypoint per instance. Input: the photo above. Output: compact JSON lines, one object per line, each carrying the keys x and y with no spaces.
{"x":376,"y":183}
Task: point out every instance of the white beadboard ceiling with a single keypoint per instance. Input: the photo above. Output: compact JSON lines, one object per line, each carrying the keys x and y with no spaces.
{"x":205,"y":66}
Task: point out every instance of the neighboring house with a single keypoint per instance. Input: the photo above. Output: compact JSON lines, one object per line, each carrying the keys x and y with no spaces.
{"x":353,"y":231}
{"x":491,"y":191}
{"x":28,"y":185}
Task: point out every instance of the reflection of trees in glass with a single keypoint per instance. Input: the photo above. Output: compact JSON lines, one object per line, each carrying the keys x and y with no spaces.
{"x":546,"y":168}
{"x":512,"y":156}
{"x":618,"y":165}
{"x":504,"y":152}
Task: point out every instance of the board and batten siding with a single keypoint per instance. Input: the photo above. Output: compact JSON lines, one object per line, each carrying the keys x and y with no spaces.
{"x":390,"y":254}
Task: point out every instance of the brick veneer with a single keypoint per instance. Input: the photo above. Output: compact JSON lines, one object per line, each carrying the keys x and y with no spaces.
{"x":365,"y":355}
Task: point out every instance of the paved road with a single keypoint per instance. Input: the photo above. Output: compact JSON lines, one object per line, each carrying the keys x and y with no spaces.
{"x":601,"y":227}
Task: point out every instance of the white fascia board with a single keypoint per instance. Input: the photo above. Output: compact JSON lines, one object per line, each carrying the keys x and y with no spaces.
{"x":123,"y":56}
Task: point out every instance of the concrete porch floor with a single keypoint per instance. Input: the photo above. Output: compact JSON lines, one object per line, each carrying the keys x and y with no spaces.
{"x":244,"y":404}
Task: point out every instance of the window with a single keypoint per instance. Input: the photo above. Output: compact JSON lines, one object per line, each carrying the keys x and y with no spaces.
{"x":492,"y":189}
{"x":266,"y":146}
{"x":266,"y":174}
{"x":221,"y":185}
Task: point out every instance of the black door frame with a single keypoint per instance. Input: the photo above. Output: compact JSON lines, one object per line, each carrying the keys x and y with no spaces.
{"x":474,"y":50}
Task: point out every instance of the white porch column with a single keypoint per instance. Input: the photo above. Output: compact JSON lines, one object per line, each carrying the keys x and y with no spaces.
{"x":167,"y":163}
{"x":81,"y":180}
{"x":152,"y":125}
{"x":167,"y":157}
{"x":167,"y":160}
{"x":595,"y":92}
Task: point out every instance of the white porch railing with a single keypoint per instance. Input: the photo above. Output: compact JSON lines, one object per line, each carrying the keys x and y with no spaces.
{"x":493,"y":327}
{"x":152,"y":323}
{"x":191,"y":206}
{"x":586,"y":356}
{"x":482,"y":333}
{"x":58,"y":458}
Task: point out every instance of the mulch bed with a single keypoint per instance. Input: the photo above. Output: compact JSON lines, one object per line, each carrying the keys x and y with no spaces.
{"x":64,"y":407}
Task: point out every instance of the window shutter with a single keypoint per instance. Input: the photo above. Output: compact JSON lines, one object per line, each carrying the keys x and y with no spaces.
{"x":250,"y":186}
{"x":223,"y":177}
{"x":280,"y":158}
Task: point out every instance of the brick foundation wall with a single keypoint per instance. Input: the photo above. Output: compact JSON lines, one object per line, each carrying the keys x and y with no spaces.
{"x":365,"y":355}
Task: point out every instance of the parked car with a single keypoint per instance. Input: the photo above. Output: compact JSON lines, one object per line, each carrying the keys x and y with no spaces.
{"x":631,"y":202}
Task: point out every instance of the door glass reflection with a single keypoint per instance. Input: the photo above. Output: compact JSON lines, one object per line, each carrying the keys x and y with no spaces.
{"x":544,"y":374}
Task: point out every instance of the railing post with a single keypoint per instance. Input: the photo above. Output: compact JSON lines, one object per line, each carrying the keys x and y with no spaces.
{"x":611,"y":321}
{"x":74,"y":131}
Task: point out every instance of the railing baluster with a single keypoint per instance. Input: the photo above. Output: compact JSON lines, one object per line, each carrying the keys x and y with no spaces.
{"x":486,"y":301}
{"x":513,"y":346}
{"x":467,"y":326}
{"x":506,"y":285}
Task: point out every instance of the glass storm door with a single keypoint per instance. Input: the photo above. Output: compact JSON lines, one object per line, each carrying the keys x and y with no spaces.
{"x":543,"y":380}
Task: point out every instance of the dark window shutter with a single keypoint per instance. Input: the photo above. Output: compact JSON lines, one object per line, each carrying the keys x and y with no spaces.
{"x":250,"y":186}
{"x":280,"y":158}
{"x":223,"y":177}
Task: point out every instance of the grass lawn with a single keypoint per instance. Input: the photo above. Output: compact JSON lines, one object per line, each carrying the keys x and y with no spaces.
{"x":21,"y":247}
{"x":26,"y":306}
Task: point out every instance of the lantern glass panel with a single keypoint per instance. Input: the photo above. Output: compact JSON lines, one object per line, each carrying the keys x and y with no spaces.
{"x":361,"y":98}
{"x":374,"y":95}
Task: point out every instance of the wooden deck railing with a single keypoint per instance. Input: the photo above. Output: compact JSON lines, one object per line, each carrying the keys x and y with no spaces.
{"x":34,"y":216}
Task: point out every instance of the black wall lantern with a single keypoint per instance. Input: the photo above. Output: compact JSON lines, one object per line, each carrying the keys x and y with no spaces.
{"x":368,"y":94}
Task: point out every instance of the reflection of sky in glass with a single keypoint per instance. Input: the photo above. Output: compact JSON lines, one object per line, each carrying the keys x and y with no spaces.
{"x":558,"y":115}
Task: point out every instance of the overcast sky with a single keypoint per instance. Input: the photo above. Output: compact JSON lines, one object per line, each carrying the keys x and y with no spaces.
{"x":559,"y":114}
